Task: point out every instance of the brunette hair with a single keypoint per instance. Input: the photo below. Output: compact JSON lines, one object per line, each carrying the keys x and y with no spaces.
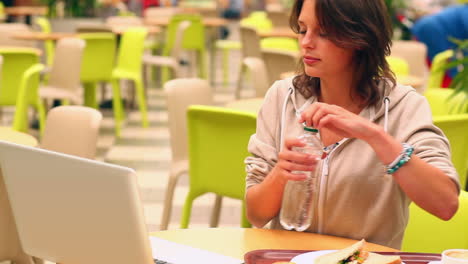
{"x":361,"y":25}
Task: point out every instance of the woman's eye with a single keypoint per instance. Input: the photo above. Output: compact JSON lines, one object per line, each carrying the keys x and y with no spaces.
{"x":302,"y":31}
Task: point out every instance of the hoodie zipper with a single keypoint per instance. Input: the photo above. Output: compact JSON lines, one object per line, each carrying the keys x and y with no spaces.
{"x":322,"y":187}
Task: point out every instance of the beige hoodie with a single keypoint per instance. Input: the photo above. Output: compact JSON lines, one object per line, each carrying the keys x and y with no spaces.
{"x":354,"y":197}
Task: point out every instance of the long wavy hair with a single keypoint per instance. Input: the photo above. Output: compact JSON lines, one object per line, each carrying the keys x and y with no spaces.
{"x":361,"y":25}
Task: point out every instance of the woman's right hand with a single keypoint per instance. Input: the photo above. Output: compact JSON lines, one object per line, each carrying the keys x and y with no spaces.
{"x":290,"y":160}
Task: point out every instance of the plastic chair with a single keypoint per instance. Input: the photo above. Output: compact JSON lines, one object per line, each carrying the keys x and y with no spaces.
{"x":217,"y":140}
{"x":64,"y":78}
{"x":415,"y":54}
{"x":256,"y":67}
{"x":441,"y":102}
{"x":279,"y":18}
{"x":97,"y":63}
{"x":129,"y":66}
{"x":72,"y":130}
{"x":171,"y":61}
{"x":436,"y":74}
{"x":6,"y":35}
{"x":181,"y":93}
{"x":427,"y":233}
{"x":194,"y":40}
{"x":49,"y":46}
{"x":278,"y":62}
{"x":225,"y":46}
{"x":398,"y":65}
{"x":2,"y":12}
{"x":19,"y":84}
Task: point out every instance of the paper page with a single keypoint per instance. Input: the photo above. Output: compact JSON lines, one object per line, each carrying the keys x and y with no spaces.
{"x":181,"y":254}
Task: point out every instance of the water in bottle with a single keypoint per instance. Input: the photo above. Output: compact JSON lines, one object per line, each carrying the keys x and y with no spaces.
{"x":296,"y":209}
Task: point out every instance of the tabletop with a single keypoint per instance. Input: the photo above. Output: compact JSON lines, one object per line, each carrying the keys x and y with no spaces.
{"x":10,"y":135}
{"x":235,"y":242}
{"x":278,"y":32}
{"x":251,"y":104}
{"x":26,"y":10}
{"x":42,"y":35}
{"x":207,"y":21}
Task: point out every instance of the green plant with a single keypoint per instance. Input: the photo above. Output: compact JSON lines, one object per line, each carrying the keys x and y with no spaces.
{"x":460,"y":82}
{"x":395,"y":10}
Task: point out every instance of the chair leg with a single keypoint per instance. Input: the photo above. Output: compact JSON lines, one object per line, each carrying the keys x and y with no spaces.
{"x":214,"y":222}
{"x":90,"y":95}
{"x":186,"y":212}
{"x":240,"y":81}
{"x":119,"y":114}
{"x":202,"y":64}
{"x":140,"y":90}
{"x":41,"y":111}
{"x":167,"y":211}
{"x":225,"y":67}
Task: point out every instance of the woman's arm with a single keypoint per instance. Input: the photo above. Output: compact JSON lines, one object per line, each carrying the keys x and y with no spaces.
{"x":429,"y":187}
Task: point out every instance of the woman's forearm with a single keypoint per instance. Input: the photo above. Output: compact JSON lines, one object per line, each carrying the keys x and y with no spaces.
{"x":424,"y":184}
{"x":264,"y":199}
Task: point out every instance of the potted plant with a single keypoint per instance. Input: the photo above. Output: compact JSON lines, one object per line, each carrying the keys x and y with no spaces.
{"x":460,"y":82}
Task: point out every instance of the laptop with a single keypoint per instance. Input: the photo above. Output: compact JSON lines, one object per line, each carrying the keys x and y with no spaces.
{"x":74,"y":210}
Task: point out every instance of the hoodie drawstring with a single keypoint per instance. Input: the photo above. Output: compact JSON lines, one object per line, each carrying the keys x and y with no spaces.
{"x":283,"y":116}
{"x":387,"y":103}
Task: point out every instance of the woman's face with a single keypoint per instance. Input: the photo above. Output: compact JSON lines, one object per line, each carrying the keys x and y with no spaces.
{"x":321,"y":57}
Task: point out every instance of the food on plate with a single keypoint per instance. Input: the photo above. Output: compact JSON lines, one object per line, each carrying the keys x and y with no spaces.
{"x":355,"y":254}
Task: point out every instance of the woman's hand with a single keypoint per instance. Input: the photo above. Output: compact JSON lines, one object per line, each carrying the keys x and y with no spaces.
{"x":338,"y":120}
{"x":289,"y":160}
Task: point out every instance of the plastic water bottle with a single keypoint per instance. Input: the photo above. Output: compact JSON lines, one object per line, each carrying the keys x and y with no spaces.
{"x":296,"y":209}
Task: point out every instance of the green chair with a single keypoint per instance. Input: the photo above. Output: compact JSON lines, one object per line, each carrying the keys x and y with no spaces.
{"x":442,"y":103}
{"x":217,"y":139}
{"x":436,"y":75}
{"x":97,"y":63}
{"x":49,"y":46}
{"x":225,"y":46}
{"x":19,"y":84}
{"x":129,"y":67}
{"x":427,"y":233}
{"x":194,"y":40}
{"x":398,"y":65}
{"x":2,"y":12}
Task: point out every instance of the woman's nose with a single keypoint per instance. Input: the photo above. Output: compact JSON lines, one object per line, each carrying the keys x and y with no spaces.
{"x":308,"y":41}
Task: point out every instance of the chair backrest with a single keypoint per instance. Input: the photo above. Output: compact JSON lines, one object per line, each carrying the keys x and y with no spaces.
{"x":181,"y":93}
{"x":65,"y":72}
{"x":398,"y":65}
{"x":278,"y":62}
{"x":72,"y":130}
{"x":45,"y":26}
{"x":131,"y":50}
{"x":414,"y":53}
{"x":250,"y":42}
{"x":258,"y":20}
{"x":6,"y":35}
{"x":124,"y":20}
{"x":443,"y":234}
{"x":194,"y":36}
{"x":442,"y":102}
{"x":279,"y":18}
{"x":218,"y":139}
{"x":455,"y":128}
{"x":436,"y":75}
{"x":258,"y":71}
{"x":98,"y":56}
{"x":15,"y":63}
{"x":179,"y":38}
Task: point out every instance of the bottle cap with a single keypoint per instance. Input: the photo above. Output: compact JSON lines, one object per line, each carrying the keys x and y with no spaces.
{"x":311,"y":129}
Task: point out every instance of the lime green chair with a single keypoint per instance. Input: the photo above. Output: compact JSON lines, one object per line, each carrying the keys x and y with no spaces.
{"x":2,"y":12}
{"x":129,"y":67}
{"x":49,"y":46}
{"x":19,"y":84}
{"x":225,"y":46}
{"x":427,"y":233}
{"x":398,"y":65}
{"x":436,"y":74}
{"x":442,"y":103}
{"x":217,"y":139}
{"x":194,"y":40}
{"x":97,"y":63}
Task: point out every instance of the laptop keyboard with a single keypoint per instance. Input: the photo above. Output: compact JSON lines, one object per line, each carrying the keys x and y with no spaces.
{"x":157,"y":261}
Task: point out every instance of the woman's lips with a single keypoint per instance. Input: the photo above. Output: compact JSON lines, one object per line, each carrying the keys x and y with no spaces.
{"x":310,"y":60}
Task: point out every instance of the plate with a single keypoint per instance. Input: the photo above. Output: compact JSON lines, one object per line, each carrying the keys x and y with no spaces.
{"x":309,"y":257}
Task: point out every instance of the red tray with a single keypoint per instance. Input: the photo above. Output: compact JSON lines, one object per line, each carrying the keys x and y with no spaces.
{"x":269,"y":256}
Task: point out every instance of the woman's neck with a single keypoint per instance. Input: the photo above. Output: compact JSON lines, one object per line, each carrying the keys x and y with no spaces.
{"x":340,"y":91}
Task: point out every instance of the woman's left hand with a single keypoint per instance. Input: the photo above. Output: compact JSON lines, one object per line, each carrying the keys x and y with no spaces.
{"x":337,"y":119}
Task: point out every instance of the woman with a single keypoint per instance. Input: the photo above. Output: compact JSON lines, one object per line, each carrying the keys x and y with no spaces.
{"x":347,"y":91}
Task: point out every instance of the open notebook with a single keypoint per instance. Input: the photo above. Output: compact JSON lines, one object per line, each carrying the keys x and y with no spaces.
{"x":74,"y":210}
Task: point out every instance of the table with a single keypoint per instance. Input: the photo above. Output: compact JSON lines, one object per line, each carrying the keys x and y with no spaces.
{"x":251,"y":105}
{"x":10,"y":135}
{"x":26,"y":11}
{"x":207,"y":21}
{"x":43,"y":36}
{"x":235,"y":242}
{"x":278,"y":32}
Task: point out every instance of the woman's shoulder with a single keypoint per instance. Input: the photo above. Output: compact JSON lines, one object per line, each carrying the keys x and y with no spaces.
{"x":280,"y":88}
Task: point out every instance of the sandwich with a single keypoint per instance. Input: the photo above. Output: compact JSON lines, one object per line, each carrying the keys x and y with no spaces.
{"x":355,"y":254}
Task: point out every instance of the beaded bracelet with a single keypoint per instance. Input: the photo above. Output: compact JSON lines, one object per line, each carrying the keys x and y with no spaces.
{"x":403,"y":158}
